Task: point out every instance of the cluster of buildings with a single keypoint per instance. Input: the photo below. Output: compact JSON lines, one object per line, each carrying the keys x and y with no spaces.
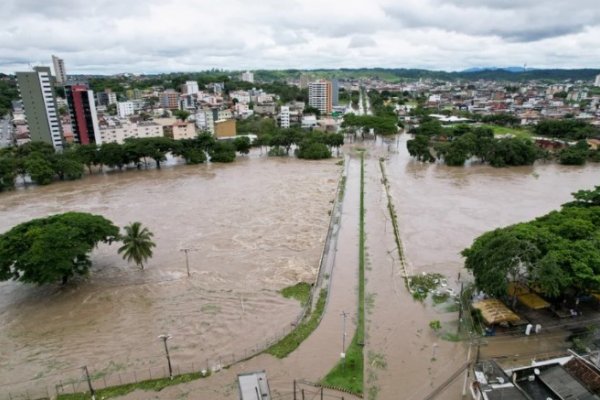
{"x":82,"y":116}
{"x":530,"y":102}
{"x":85,"y":117}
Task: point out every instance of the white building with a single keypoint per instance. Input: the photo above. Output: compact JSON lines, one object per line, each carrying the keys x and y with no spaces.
{"x":190,"y":87}
{"x":118,"y":131}
{"x":242,"y":96}
{"x":125,"y":109}
{"x":284,"y":116}
{"x":597,"y":81}
{"x":205,"y":120}
{"x":248,"y":77}
{"x":59,"y":70}
{"x":112,"y":98}
{"x":309,"y":121}
{"x":224,"y":114}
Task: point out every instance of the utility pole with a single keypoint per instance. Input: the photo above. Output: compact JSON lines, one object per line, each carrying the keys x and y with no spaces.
{"x":187,"y":261}
{"x":164,"y":339}
{"x":89,"y":381}
{"x":343,"y":354}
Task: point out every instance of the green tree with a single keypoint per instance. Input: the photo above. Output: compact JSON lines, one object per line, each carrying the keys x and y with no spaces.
{"x":67,"y":165}
{"x":313,"y":150}
{"x":88,"y":155}
{"x":8,"y":172}
{"x":54,"y":248}
{"x":181,"y":114}
{"x":419,"y":148}
{"x":242,"y":144}
{"x":137,"y":244}
{"x":39,"y":169}
{"x":113,"y":155}
{"x":223,"y":152}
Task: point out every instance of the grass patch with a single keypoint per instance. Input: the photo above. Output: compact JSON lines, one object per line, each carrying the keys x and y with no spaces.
{"x":440,"y":297}
{"x":300,"y":291}
{"x":153,"y":384}
{"x":293,"y":339}
{"x":451,"y":337}
{"x":348,"y":374}
{"x":503,"y":130}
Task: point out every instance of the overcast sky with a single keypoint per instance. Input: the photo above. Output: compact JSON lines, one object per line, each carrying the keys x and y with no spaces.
{"x":148,"y":36}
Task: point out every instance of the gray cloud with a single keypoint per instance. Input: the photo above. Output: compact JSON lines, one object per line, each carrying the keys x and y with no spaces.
{"x":106,"y":36}
{"x":361,"y":41}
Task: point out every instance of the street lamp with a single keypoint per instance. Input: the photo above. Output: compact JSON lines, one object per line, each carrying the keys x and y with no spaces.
{"x":164,"y":339}
{"x":343,"y":354}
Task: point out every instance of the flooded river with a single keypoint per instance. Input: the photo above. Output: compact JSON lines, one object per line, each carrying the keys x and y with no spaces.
{"x":253,"y":227}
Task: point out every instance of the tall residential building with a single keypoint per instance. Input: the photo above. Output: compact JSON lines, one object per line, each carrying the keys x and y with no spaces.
{"x":248,"y":77}
{"x":597,"y":82}
{"x":37,"y":93}
{"x":190,"y":87}
{"x":284,"y":116}
{"x":169,"y":99}
{"x":125,"y":109}
{"x":59,"y":70}
{"x":320,"y":96}
{"x":84,"y":119}
{"x":107,"y":97}
{"x":335,"y":92}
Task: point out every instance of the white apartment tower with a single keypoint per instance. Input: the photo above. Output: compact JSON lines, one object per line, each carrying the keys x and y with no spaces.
{"x":190,"y":87}
{"x":248,"y":77}
{"x":284,"y":116}
{"x":125,"y":109}
{"x":320,"y":96}
{"x":59,"y":70}
{"x":597,"y":82}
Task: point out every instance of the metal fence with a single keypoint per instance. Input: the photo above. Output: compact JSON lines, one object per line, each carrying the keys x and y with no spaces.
{"x":51,"y":386}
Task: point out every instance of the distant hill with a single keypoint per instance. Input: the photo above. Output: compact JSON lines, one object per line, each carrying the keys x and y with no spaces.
{"x":508,"y":69}
{"x":511,"y":74}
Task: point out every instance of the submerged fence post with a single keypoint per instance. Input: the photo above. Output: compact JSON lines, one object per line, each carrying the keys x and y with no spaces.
{"x":294,"y":389}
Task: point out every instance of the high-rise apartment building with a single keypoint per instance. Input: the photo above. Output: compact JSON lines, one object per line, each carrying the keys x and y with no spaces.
{"x":84,"y":120}
{"x":284,"y":116}
{"x":335,"y":92}
{"x":169,"y":99}
{"x":59,"y":70}
{"x":190,"y":87}
{"x":320,"y":96}
{"x":597,"y":82}
{"x":125,"y":109}
{"x":248,"y":77}
{"x":39,"y":102}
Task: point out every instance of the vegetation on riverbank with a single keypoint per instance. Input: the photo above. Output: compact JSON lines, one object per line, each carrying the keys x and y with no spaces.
{"x":300,"y":291}
{"x":501,"y":146}
{"x":558,"y":254}
{"x":155,"y":385}
{"x":348,"y":374}
{"x":310,"y":322}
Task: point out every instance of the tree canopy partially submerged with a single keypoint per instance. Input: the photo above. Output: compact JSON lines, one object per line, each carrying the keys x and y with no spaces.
{"x":55,"y":248}
{"x":557,"y":254}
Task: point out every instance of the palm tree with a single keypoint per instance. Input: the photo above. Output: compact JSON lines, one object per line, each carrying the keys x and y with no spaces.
{"x":137,"y":244}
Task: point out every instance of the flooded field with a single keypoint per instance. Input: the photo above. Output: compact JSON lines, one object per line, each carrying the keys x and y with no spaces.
{"x":442,"y":209}
{"x":253,"y":227}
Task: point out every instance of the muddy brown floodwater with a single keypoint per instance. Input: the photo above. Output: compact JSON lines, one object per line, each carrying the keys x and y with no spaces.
{"x":440,"y":210}
{"x":253,"y":227}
